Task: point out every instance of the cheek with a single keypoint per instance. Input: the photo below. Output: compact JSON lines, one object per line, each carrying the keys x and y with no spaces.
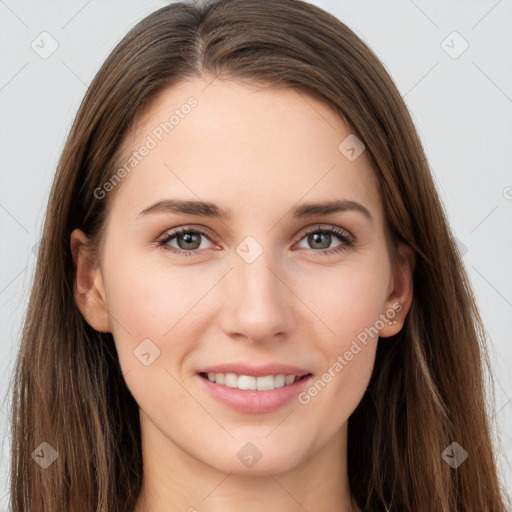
{"x":349,"y":303}
{"x":349,"y":356}
{"x":347,"y":300}
{"x":149,"y":301}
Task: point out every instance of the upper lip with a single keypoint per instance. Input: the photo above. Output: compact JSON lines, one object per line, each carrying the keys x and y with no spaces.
{"x":255,"y":371}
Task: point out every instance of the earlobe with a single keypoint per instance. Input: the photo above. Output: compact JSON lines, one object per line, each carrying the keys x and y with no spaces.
{"x":88,"y":288}
{"x":399,"y":300}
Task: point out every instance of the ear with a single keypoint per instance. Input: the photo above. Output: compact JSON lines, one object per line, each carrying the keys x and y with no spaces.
{"x":88,"y":287}
{"x":399,"y":300}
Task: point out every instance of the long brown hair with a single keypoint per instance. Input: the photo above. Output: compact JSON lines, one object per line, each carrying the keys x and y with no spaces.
{"x":429,"y":381}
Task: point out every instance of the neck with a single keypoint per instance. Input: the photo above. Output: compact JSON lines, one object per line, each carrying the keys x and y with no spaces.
{"x":176,"y":481}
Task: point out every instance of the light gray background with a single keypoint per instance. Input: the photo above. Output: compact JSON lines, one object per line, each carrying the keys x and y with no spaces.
{"x":462,"y":108}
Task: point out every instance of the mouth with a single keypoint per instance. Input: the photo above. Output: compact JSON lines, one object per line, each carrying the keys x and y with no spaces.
{"x":251,"y":394}
{"x":251,"y":382}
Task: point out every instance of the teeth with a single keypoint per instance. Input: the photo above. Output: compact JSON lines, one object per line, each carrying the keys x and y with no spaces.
{"x":265,"y":383}
{"x":290,"y":379}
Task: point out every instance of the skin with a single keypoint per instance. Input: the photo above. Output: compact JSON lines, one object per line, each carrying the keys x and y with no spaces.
{"x":258,"y":153}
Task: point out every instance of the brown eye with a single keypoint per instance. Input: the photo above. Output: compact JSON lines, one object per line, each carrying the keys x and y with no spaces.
{"x":320,"y":239}
{"x":188,"y":241}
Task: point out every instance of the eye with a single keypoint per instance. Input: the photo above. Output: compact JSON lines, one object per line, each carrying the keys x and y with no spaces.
{"x":321,"y":238}
{"x":188,"y":241}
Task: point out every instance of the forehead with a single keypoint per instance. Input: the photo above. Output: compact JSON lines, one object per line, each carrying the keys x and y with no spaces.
{"x":248,"y":148}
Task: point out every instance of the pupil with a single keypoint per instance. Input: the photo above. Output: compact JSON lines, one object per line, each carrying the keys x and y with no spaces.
{"x":314,"y":238}
{"x":188,"y":239}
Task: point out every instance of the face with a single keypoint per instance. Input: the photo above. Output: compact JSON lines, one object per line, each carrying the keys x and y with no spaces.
{"x":252,"y":286}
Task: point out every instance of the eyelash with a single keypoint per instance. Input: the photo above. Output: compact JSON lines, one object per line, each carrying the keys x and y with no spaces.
{"x":344,"y":236}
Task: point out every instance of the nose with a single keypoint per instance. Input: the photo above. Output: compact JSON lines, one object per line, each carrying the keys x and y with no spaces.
{"x":257,"y":303}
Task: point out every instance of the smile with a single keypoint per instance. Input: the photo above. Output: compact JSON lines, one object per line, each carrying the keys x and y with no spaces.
{"x":249,"y":382}
{"x":246,"y":397}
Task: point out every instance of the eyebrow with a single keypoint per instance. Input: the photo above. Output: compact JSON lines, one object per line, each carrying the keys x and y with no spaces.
{"x":207,"y":209}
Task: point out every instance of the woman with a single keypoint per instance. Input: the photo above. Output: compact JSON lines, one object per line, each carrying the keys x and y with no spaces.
{"x":188,"y":346}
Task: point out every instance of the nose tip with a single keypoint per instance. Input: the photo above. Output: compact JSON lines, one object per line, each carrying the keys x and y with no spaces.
{"x":258,"y":303}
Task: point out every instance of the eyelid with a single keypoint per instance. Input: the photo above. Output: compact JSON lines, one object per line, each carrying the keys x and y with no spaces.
{"x":171,"y":232}
{"x":329,"y":228}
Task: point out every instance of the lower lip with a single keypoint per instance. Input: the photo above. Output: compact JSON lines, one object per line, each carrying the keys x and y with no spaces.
{"x":249,"y":401}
